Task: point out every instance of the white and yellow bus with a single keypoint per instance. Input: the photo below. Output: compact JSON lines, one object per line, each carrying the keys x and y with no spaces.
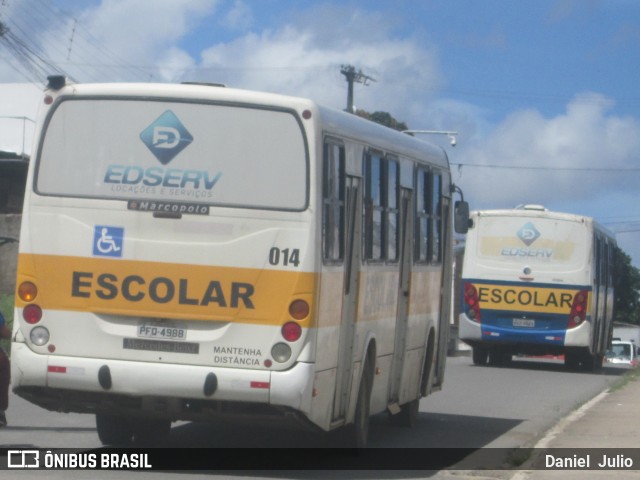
{"x":191,"y":251}
{"x":537,"y":282}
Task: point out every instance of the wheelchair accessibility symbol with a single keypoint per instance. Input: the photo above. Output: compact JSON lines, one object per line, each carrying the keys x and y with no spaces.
{"x":107,"y":241}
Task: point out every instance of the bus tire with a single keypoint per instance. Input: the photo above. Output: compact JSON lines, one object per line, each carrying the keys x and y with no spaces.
{"x":589,"y":362}
{"x":150,"y":431}
{"x":499,"y":358}
{"x":480,"y":355}
{"x":358,"y":432}
{"x":113,"y":429}
{"x":571,"y":360}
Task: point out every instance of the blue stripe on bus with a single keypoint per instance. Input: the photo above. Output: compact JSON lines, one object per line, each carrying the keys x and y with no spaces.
{"x":497,"y":326}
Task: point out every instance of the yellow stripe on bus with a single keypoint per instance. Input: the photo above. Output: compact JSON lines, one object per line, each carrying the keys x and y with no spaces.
{"x":171,"y":290}
{"x":525,"y":298}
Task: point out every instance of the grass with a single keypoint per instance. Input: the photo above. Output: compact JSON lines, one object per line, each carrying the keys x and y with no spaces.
{"x":6,"y":307}
{"x":631,"y":376}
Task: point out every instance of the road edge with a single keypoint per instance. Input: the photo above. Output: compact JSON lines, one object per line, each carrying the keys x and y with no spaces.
{"x":557,"y":430}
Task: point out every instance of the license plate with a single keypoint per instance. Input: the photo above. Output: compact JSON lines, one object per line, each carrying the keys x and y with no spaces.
{"x":162,"y":331}
{"x":524,"y":322}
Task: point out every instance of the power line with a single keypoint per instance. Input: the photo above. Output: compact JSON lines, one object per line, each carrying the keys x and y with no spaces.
{"x":626,"y":231}
{"x":628,"y":222}
{"x":532,"y":167}
{"x":73,"y":45}
{"x":32,"y":62}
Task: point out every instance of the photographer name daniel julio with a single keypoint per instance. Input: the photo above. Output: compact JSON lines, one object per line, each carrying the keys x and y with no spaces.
{"x":585,"y":461}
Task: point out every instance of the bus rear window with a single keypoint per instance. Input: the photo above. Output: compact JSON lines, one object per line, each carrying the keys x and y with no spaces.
{"x":531,"y":240}
{"x":208,"y":154}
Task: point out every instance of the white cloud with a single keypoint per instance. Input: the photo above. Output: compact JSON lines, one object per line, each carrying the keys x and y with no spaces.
{"x":301,"y":60}
{"x":239,"y":17}
{"x":115,"y":40}
{"x":173,"y":65}
{"x":18,"y":110}
{"x":145,"y":33}
{"x":121,"y":40}
{"x":586,"y":137}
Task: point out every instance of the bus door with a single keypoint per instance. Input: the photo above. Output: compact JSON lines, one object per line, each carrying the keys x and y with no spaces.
{"x":353,"y":234}
{"x":446,"y":299}
{"x":596,"y":302}
{"x":402,"y":316}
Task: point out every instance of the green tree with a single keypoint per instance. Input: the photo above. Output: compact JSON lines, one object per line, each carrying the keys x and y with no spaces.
{"x":627,"y":289}
{"x":6,"y":308}
{"x":383,"y":118}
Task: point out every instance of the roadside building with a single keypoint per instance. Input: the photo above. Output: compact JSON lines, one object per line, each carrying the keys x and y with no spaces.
{"x":18,"y":108}
{"x":626,"y":332}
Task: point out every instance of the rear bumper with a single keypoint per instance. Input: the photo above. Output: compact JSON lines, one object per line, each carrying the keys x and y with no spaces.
{"x":475,"y":333}
{"x":78,"y":385}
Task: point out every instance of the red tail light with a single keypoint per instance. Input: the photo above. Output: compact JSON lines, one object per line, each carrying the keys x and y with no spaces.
{"x":578,"y":308}
{"x":291,"y":331}
{"x":472,"y":302}
{"x":32,"y":314}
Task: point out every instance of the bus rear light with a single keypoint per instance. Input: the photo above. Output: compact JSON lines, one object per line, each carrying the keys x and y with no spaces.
{"x":291,"y":331}
{"x":472,"y":302}
{"x":32,"y":314}
{"x":39,"y":336}
{"x":578,"y":309}
{"x":281,"y":352}
{"x":299,"y":309}
{"x":27,"y":292}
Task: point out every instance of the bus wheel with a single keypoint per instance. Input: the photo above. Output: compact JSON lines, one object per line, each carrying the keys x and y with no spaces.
{"x":358,"y":433}
{"x":113,"y":429}
{"x":571,"y":360}
{"x":480,"y":356}
{"x":499,"y":358}
{"x":590,"y":363}
{"x":150,"y":430}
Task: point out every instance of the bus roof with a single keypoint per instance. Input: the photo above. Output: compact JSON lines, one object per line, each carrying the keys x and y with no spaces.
{"x":340,"y":122}
{"x":538,"y":211}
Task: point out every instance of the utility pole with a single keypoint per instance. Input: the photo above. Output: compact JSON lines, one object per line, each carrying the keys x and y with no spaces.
{"x":349,"y":71}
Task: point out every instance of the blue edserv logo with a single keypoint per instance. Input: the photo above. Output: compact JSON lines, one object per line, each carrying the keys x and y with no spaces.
{"x":166,"y":137}
{"x":528,"y":233}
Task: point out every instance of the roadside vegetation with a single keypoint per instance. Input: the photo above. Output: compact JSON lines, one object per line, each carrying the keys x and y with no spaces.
{"x":631,"y":376}
{"x":6,"y":307}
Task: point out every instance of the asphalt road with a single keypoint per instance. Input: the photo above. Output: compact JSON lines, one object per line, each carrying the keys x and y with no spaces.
{"x":478,"y":407}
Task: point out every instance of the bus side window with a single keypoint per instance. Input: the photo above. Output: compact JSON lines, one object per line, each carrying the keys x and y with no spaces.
{"x":436,"y":219}
{"x":423,"y":214}
{"x":393,"y":213}
{"x":373,"y":208}
{"x":333,"y":203}
{"x":381,"y":213}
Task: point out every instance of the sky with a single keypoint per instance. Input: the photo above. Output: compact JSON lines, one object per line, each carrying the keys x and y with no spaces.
{"x":543,"y":94}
